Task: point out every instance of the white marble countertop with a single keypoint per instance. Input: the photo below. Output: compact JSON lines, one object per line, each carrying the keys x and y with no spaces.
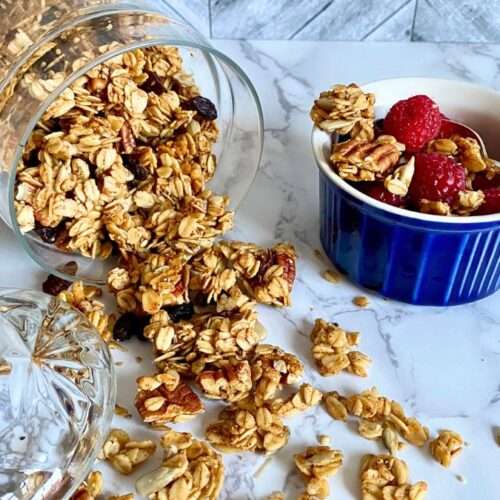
{"x":443,"y":364}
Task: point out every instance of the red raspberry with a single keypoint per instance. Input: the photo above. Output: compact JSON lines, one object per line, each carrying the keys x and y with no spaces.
{"x":491,"y":204}
{"x":379,"y":192}
{"x":482,"y":182}
{"x":436,"y":178}
{"x":414,"y":122}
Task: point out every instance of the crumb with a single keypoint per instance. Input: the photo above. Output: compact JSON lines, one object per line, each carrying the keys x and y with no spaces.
{"x":139,"y":359}
{"x":461,"y":478}
{"x":318,"y":253}
{"x":332,"y":276}
{"x":119,"y":363}
{"x":360,"y":301}
{"x":324,"y":440}
{"x":122,"y":411}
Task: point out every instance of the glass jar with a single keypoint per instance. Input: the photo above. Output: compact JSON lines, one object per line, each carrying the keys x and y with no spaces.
{"x":43,"y":48}
{"x":57,"y":396}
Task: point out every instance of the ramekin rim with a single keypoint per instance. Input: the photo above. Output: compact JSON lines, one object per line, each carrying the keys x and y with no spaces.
{"x":325,"y":167}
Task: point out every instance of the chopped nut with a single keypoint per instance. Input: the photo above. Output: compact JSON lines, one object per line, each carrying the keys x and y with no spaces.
{"x":163,"y":404}
{"x":468,"y":202}
{"x":399,"y":181}
{"x":360,"y":160}
{"x":434,"y":207}
{"x":446,"y":447}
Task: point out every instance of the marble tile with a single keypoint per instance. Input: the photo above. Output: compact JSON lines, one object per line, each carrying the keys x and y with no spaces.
{"x":457,"y":21}
{"x":195,"y":11}
{"x":262,"y":19}
{"x":397,"y":27}
{"x":354,"y":20}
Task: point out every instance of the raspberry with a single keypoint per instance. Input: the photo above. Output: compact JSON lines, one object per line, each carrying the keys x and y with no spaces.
{"x":414,"y":122}
{"x":491,"y":204}
{"x":436,"y":178}
{"x":482,"y":182}
{"x":379,"y":192}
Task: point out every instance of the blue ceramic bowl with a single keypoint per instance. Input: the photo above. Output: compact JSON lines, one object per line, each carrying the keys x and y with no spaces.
{"x":410,"y":256}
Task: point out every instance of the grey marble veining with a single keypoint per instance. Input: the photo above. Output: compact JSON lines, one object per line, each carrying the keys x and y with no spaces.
{"x":458,"y":21}
{"x":376,"y":20}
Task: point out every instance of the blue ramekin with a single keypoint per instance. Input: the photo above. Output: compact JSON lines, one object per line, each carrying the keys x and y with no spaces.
{"x":408,"y":256}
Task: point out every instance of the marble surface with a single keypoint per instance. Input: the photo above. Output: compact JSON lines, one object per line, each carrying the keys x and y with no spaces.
{"x":380,"y":20}
{"x":442,"y":364}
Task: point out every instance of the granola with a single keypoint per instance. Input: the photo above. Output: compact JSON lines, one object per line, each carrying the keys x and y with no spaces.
{"x":446,"y":447}
{"x":124,"y":454}
{"x":386,"y":477}
{"x":367,"y":160}
{"x":121,"y":159}
{"x":91,"y":488}
{"x":161,"y":399}
{"x":190,"y":469}
{"x":332,"y":350}
{"x":345,"y":109}
{"x":316,"y":464}
{"x":373,"y":409}
{"x":85,"y":299}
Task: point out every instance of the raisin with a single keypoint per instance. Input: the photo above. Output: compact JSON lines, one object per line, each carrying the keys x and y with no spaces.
{"x":203,"y":106}
{"x":32,"y":160}
{"x":130,"y":325}
{"x":54,"y":285}
{"x":180,"y":312}
{"x":379,"y":127}
{"x":153,"y":84}
{"x":130,"y":162}
{"x":47,"y":234}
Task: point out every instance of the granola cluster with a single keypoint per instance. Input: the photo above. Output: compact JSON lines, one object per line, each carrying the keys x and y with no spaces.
{"x":446,"y":447}
{"x":387,"y":477}
{"x":256,"y":422}
{"x":120,"y":162}
{"x":85,"y":299}
{"x":364,"y":151}
{"x":379,"y":416}
{"x":190,"y":469}
{"x":345,"y":109}
{"x":125,"y":454}
{"x":317,"y":464}
{"x":332,"y":350}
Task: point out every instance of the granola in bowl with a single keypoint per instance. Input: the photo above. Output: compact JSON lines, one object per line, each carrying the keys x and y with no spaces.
{"x":414,"y":157}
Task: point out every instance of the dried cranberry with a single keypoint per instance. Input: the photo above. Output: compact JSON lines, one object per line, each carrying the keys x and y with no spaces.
{"x":54,"y":285}
{"x":203,"y":106}
{"x":180,"y":312}
{"x":130,"y":161}
{"x":130,"y":325}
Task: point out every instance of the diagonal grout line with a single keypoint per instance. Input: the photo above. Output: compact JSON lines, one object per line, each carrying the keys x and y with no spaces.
{"x":309,"y":21}
{"x":412,"y":35}
{"x":388,"y":18}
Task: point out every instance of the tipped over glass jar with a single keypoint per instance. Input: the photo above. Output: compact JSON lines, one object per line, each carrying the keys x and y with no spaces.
{"x":123,"y":131}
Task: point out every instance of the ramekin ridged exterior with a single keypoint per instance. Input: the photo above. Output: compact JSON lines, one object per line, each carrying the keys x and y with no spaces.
{"x":404,"y":255}
{"x":411,"y":260}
